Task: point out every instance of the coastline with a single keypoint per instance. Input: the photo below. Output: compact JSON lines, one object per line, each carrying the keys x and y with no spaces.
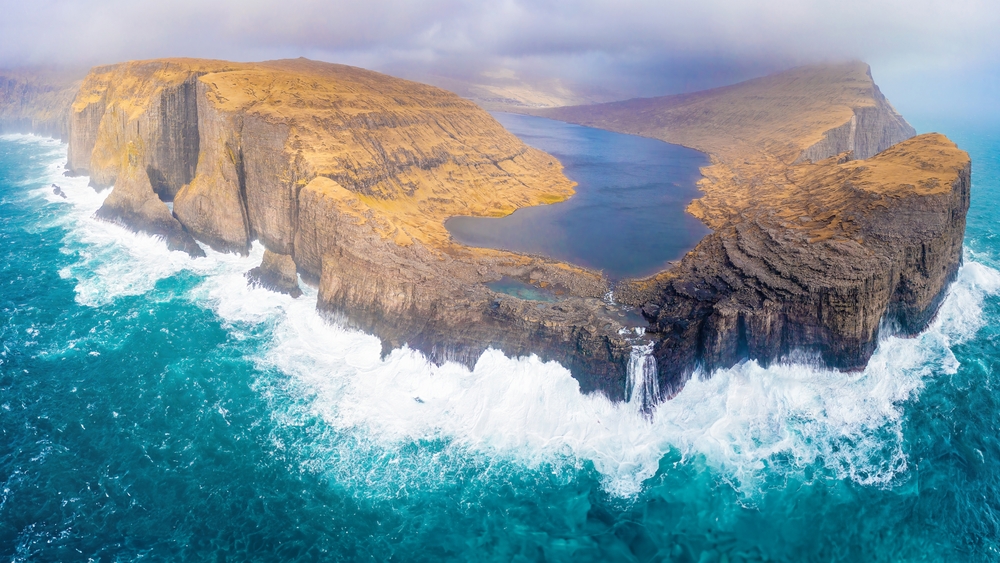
{"x":523,"y":409}
{"x":384,"y":267}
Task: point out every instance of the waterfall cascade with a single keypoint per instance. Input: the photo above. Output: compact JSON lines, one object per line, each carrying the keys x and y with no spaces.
{"x":642,"y":386}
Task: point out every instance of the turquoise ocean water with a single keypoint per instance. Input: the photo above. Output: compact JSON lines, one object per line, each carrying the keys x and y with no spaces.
{"x":153,"y":408}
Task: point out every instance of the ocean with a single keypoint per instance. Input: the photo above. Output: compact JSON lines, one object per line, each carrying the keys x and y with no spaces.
{"x":155,"y":408}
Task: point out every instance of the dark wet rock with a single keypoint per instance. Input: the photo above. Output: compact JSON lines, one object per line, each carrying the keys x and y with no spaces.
{"x":277,"y":273}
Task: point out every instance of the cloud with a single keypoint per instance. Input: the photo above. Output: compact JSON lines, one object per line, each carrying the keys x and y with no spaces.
{"x":641,"y":45}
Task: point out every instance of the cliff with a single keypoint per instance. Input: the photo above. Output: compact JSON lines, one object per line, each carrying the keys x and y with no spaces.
{"x":830,"y":221}
{"x":242,"y":140}
{"x":806,"y":113}
{"x":346,"y":176}
{"x":37,"y":101}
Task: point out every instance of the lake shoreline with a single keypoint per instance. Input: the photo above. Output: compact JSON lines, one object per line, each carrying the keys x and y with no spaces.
{"x":628,"y":216}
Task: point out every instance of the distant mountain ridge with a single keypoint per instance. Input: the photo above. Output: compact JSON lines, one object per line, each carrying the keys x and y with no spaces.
{"x":806,"y":113}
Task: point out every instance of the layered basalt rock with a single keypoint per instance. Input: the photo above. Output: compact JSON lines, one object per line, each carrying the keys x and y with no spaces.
{"x":828,"y":224}
{"x":761,"y":290}
{"x":438,"y":303}
{"x":276,"y":272}
{"x":135,"y":126}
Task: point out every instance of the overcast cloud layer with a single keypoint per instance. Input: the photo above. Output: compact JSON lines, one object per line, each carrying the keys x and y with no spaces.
{"x":634,"y":47}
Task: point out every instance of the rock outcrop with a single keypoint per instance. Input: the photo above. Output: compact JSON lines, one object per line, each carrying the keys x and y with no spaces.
{"x":874,"y":126}
{"x":829,"y":221}
{"x":135,"y":126}
{"x":276,"y":272}
{"x":821,"y":285}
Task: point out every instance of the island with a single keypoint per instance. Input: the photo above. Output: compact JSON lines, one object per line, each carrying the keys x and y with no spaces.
{"x":831,"y":222}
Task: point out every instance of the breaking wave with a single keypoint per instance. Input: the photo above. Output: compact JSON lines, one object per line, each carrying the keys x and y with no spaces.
{"x":741,"y":421}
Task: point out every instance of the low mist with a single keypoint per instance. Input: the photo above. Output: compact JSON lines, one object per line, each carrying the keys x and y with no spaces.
{"x":931,"y":58}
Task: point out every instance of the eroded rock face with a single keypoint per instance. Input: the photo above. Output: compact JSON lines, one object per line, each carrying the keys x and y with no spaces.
{"x":37,"y":101}
{"x":763,"y":291}
{"x":133,"y":204}
{"x":135,"y":126}
{"x":346,"y":177}
{"x":437,"y":302}
{"x":213,"y":205}
{"x":874,"y":126}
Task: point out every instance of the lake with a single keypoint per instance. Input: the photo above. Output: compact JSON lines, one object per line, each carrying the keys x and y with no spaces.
{"x":627,"y":217}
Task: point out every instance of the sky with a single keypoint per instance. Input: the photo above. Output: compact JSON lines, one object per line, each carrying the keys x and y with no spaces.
{"x":931,"y":57}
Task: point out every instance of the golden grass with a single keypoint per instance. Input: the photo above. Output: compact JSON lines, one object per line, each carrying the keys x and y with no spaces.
{"x":414,"y":154}
{"x":450,"y":157}
{"x":756,"y":131}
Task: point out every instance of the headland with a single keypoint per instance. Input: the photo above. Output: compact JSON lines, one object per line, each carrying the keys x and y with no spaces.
{"x":829,"y":219}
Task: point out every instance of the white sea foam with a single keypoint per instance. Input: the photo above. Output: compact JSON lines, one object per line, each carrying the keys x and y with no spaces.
{"x":739,"y":420}
{"x":114,"y":261}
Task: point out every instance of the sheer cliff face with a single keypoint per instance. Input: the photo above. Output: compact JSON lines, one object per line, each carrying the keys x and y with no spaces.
{"x":874,"y":126}
{"x":880,"y":244}
{"x":346,"y":176}
{"x":134,"y":126}
{"x":411,"y":154}
{"x":232,"y":145}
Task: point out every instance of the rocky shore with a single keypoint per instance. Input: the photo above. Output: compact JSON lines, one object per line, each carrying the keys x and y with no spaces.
{"x":821,"y":237}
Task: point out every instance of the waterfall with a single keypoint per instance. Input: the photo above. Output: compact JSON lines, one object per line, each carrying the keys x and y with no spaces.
{"x":641,"y":384}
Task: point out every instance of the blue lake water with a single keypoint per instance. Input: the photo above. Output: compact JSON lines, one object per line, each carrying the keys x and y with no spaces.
{"x":525,"y":291}
{"x":155,"y":408}
{"x":627,"y":217}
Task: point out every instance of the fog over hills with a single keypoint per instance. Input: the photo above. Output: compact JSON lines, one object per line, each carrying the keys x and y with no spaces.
{"x":923,"y":52}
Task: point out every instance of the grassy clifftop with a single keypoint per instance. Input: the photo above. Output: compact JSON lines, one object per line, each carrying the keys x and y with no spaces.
{"x":411,"y":154}
{"x":790,"y":145}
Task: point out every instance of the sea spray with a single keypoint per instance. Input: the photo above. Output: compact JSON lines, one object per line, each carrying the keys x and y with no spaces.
{"x":736,"y":419}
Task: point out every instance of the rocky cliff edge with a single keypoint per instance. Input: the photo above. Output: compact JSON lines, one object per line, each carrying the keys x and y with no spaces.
{"x":346,"y":176}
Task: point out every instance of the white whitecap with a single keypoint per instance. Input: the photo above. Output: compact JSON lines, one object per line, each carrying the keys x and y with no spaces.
{"x":738,"y":421}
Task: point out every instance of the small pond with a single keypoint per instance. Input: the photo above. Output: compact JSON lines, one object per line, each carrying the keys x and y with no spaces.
{"x":522,"y":290}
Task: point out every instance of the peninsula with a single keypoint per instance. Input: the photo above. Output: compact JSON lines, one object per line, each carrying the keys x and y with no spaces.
{"x":830,"y":220}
